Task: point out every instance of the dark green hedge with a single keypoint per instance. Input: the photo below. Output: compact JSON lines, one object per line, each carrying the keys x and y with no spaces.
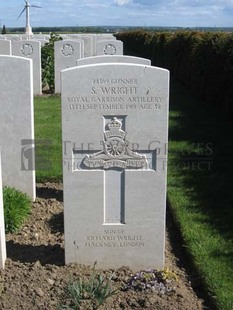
{"x":203,"y":61}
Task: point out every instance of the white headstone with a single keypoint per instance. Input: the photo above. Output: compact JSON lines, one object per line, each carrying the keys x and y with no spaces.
{"x":5,"y":47}
{"x":25,"y":38}
{"x":88,"y":45}
{"x":110,"y":58}
{"x":94,"y":37}
{"x":42,"y":42}
{"x":2,"y":225}
{"x":76,"y":38}
{"x":17,"y":124}
{"x":66,"y":54}
{"x":31,"y":50}
{"x":115,"y":129}
{"x":105,"y":36}
{"x":38,"y":37}
{"x":109,"y":47}
{"x":13,"y":38}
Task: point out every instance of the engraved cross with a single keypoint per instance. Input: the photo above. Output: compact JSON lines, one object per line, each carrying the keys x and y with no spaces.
{"x":114,"y":159}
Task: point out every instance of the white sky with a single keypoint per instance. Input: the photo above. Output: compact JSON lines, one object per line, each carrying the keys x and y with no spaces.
{"x":183,"y":13}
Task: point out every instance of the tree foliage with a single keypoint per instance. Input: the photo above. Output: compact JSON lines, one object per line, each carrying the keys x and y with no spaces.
{"x":203,"y":61}
{"x":4,"y":29}
{"x":17,"y":207}
{"x":47,"y":62}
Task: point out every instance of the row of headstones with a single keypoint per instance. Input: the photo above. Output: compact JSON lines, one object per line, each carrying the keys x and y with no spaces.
{"x":114,"y":189}
{"x":91,"y":36}
{"x":67,"y":52}
{"x":90,"y":43}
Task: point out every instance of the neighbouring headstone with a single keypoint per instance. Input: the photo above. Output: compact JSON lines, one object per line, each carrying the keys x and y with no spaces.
{"x":76,"y":38}
{"x":31,"y":50}
{"x":113,"y":58}
{"x":5,"y":47}
{"x":88,"y":45}
{"x":13,"y":37}
{"x":43,"y":42}
{"x":109,"y":47}
{"x":17,"y":124}
{"x":25,"y":38}
{"x":115,"y":129}
{"x":2,"y":225}
{"x":105,"y":36}
{"x":66,"y":53}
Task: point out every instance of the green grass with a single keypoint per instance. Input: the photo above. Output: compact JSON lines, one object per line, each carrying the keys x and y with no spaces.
{"x":47,"y":116}
{"x":200,"y":182}
{"x":17,"y":207}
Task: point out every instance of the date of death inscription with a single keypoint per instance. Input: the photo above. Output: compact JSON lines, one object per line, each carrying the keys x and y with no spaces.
{"x":116,"y":94}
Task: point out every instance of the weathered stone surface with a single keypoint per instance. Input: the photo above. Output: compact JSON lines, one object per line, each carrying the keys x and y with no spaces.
{"x":115,"y":127}
{"x":66,"y":54}
{"x":5,"y":47}
{"x":109,"y":47}
{"x":31,"y":50}
{"x":17,"y":124}
{"x":113,"y":58}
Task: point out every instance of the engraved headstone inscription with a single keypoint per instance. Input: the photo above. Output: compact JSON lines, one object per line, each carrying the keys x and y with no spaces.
{"x":17,"y":124}
{"x":2,"y":225}
{"x":66,"y":53}
{"x":31,"y":50}
{"x":115,"y":127}
{"x":109,"y":47}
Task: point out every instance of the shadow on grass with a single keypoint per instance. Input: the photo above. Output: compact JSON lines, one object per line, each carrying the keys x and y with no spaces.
{"x":26,"y":253}
{"x":207,"y":167}
{"x":184,"y":260}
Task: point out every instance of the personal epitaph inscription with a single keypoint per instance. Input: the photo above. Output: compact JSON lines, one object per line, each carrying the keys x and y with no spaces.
{"x":114,"y":120}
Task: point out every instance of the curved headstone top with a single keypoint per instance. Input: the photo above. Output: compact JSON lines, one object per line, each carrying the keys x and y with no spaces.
{"x":113,"y":58}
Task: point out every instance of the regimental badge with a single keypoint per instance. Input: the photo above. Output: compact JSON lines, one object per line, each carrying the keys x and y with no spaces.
{"x":109,"y":49}
{"x":67,"y":50}
{"x":116,"y":152}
